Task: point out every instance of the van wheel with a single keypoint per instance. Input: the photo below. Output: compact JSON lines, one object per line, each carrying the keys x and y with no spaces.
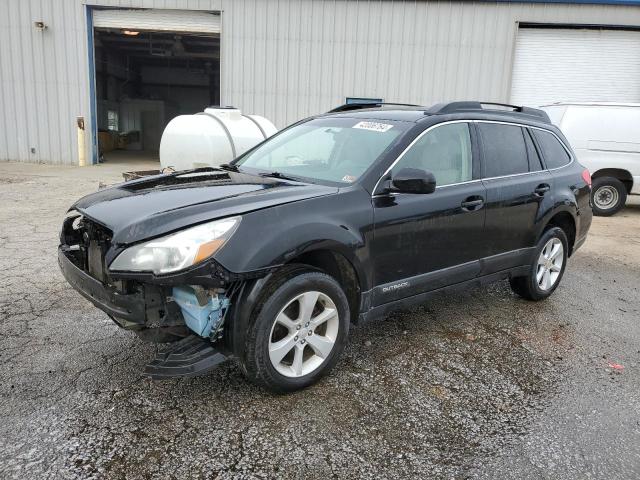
{"x":608,"y":196}
{"x":297,"y":333}
{"x":550,"y":260}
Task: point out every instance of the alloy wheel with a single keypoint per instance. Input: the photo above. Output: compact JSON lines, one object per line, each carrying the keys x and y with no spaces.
{"x":303,"y":334}
{"x":550,"y":264}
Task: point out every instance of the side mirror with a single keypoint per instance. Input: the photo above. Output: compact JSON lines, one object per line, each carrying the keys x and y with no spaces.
{"x":413,"y":180}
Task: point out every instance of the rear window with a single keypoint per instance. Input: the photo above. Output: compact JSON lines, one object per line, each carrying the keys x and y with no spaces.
{"x":553,"y":152}
{"x":504,"y":149}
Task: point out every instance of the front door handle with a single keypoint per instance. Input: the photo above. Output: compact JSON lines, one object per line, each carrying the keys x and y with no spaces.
{"x":472,"y":203}
{"x":542,"y":189}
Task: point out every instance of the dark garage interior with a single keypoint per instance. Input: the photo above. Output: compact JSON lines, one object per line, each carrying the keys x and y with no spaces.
{"x":144,"y":79}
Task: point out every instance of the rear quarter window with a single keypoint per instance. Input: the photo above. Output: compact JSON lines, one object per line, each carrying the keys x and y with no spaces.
{"x":554,"y":153}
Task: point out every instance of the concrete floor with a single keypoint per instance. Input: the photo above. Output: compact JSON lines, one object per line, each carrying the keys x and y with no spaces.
{"x":480,"y":385}
{"x":125,"y":157}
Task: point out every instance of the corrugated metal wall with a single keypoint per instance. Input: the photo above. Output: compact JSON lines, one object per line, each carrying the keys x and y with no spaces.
{"x":284,"y":59}
{"x":43,"y":80}
{"x":288,"y":59}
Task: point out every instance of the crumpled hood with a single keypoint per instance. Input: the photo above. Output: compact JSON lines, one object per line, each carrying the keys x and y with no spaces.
{"x":160,"y":204}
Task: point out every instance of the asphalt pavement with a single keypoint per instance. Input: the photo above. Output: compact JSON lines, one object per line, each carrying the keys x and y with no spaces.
{"x":478,"y":385}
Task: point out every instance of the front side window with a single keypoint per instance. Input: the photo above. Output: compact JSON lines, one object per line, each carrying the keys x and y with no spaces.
{"x":444,"y":151}
{"x":504,"y":150}
{"x":337,"y":150}
{"x":554,"y":153}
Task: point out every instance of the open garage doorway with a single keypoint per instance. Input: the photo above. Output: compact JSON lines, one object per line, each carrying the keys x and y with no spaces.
{"x":150,"y":66}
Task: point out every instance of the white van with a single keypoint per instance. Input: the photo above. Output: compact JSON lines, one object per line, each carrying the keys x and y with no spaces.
{"x":606,"y":139}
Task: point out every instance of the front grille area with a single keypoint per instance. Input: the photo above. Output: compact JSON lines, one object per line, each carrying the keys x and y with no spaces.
{"x":85,"y":242}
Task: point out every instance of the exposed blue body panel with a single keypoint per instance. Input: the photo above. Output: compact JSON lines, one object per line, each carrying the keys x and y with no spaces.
{"x":202,"y":319}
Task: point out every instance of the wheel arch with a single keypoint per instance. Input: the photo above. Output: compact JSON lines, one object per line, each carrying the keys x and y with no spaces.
{"x":618,"y":173}
{"x":335,"y":263}
{"x":565,"y":220}
{"x":327,"y":257}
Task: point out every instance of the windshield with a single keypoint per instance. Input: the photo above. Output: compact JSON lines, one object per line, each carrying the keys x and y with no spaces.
{"x":337,"y":150}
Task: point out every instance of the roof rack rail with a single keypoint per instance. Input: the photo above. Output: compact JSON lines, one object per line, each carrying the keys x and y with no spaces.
{"x":458,"y":107}
{"x":358,"y":106}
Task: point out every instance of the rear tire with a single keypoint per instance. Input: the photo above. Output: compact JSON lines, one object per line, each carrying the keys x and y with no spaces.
{"x":297,"y":332}
{"x":608,"y":196}
{"x":547,"y":268}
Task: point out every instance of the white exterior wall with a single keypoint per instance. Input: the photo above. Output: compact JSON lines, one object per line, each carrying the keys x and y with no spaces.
{"x":283,"y":59}
{"x":558,"y":65}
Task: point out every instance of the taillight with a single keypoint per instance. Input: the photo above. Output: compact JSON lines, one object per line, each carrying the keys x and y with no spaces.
{"x":586,"y":176}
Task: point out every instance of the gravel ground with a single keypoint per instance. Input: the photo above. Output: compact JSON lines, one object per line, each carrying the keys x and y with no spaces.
{"x":480,"y":385}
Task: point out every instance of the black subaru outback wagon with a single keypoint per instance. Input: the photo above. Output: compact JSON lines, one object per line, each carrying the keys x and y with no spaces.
{"x":339,"y":217}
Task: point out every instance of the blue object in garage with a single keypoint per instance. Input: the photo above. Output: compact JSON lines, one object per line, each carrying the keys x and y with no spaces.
{"x":202,"y":319}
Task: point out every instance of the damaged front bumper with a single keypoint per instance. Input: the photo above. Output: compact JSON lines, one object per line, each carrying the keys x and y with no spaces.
{"x":192,"y":355}
{"x":128,"y":310}
{"x":151,"y":307}
{"x":189,"y":357}
{"x":202,"y":310}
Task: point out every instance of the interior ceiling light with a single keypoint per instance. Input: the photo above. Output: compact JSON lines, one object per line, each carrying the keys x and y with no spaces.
{"x":131,"y":32}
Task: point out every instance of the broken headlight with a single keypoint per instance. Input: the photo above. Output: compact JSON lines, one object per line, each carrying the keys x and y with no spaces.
{"x":177,"y":251}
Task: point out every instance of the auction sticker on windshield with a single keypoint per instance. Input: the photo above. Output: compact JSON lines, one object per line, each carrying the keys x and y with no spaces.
{"x":373,"y":126}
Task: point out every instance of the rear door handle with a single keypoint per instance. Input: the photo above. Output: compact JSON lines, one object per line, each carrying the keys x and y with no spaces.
{"x":542,"y":189}
{"x":472,"y":203}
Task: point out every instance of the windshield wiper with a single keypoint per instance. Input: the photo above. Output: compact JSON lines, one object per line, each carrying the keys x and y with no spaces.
{"x":279,"y":175}
{"x":228,"y":166}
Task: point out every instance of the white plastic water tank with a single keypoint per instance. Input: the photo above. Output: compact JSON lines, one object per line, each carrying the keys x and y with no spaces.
{"x":211,"y":138}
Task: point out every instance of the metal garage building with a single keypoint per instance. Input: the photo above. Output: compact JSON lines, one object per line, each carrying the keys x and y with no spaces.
{"x":286,"y":59}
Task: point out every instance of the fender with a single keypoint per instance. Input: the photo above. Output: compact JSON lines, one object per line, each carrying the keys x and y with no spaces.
{"x":552,"y":212}
{"x":318,"y":228}
{"x":571,"y":195}
{"x":562,"y":207}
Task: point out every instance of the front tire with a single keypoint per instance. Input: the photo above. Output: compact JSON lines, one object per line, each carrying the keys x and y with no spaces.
{"x":608,"y":196}
{"x":297,"y":332}
{"x":545,"y":273}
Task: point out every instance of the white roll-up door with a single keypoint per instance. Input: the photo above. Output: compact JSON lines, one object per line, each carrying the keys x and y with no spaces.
{"x":567,"y":65}
{"x":185,"y":21}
